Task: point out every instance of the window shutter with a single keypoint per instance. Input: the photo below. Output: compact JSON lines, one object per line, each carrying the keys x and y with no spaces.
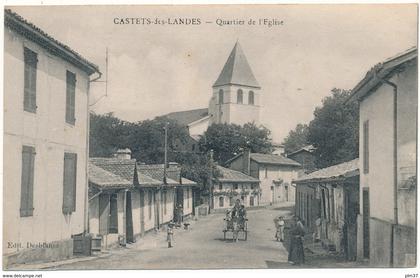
{"x":70,"y":97}
{"x":30,"y":61}
{"x":366,"y":147}
{"x":27,"y":183}
{"x":69,"y":183}
{"x":103,"y":213}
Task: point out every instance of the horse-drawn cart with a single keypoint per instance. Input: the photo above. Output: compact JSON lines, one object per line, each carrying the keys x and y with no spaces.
{"x":236,"y":225}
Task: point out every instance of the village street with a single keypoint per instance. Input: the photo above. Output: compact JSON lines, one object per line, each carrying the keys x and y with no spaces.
{"x":201,"y":247}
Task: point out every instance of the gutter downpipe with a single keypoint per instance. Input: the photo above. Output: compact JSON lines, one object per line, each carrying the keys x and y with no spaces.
{"x":86,"y":199}
{"x":395,"y":158}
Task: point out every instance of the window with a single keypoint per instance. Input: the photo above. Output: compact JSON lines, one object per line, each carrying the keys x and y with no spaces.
{"x":149,"y":200}
{"x":221,"y":96}
{"x":366,"y":147}
{"x":221,"y":202}
{"x":235,"y":186}
{"x":266,"y":172}
{"x":251,"y":97}
{"x":220,"y":186}
{"x":69,"y":183}
{"x":240,"y":97}
{"x":70,"y":97}
{"x":231,"y":201}
{"x":165,"y":200}
{"x":27,"y":182}
{"x":29,"y":98}
{"x":251,"y":201}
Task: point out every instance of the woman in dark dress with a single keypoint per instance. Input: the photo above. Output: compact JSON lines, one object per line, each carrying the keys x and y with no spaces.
{"x":296,"y":254}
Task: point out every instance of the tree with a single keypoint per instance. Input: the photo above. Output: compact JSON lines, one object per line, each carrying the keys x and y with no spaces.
{"x":296,"y":139}
{"x":107,"y":134}
{"x":334,"y":131}
{"x":227,"y":140}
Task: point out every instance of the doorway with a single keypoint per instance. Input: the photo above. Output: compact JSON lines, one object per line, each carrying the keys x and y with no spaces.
{"x":366,"y":212}
{"x":129,"y":219}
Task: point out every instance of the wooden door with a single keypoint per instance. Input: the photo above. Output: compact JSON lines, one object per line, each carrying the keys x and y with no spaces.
{"x":103,"y":213}
{"x":366,"y":214}
{"x":129,"y":219}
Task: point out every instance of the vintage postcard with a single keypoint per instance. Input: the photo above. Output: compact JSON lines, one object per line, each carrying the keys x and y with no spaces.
{"x":210,"y":137}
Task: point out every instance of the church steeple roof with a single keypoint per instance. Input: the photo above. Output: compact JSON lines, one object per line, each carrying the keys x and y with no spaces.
{"x":236,"y":70}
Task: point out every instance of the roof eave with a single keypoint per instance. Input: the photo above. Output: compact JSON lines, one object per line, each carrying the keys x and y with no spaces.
{"x":381,"y":71}
{"x":34,"y":35}
{"x":215,"y":85}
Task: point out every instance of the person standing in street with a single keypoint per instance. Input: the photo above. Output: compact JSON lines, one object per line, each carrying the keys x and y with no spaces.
{"x":279,"y":228}
{"x":170,"y":235}
{"x":296,"y":253}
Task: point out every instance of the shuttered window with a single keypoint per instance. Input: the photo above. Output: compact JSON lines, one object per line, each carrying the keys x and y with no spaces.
{"x":366,"y":147}
{"x":69,"y":183}
{"x":27,"y":182}
{"x":70,"y":97}
{"x":149,"y":200}
{"x":29,"y":97}
{"x":165,"y":200}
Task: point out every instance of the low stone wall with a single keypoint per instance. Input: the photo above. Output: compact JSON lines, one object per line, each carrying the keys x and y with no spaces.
{"x":404,"y":246}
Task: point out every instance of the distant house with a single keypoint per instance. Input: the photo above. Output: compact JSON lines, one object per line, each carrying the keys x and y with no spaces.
{"x":232,"y":185}
{"x":46,"y":92}
{"x":305,"y":156}
{"x":332,"y":195}
{"x":388,"y":163}
{"x":275,"y":172}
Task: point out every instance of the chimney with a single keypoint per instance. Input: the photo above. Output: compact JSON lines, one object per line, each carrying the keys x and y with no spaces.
{"x":123,"y":154}
{"x":246,"y":156}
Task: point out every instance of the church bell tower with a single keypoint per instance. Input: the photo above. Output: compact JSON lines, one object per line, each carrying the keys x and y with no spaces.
{"x":236,"y":92}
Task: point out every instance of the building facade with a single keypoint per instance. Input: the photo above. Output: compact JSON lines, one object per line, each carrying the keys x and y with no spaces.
{"x":128,"y":199}
{"x":275,"y":172}
{"x":331,"y":196}
{"x":46,"y":92}
{"x":388,"y":180}
{"x":231,"y":185}
{"x":305,"y":156}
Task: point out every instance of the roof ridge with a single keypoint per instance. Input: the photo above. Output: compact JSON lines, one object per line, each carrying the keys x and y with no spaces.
{"x":13,"y":15}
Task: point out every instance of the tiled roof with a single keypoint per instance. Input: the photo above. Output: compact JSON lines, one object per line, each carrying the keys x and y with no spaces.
{"x":124,"y":168}
{"x":229,"y":175}
{"x":344,"y":170}
{"x":273,"y":159}
{"x":185,"y":181}
{"x":308,"y":148}
{"x":32,"y":32}
{"x":155,"y":171}
{"x":186,"y":117}
{"x":146,"y":181}
{"x":382,"y":71}
{"x":236,"y":70}
{"x":105,"y":179}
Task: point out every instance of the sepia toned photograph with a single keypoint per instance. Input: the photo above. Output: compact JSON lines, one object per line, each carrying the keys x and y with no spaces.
{"x":173,"y":137}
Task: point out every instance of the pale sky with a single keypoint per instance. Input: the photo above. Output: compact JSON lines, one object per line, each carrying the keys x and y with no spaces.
{"x":154,"y":70}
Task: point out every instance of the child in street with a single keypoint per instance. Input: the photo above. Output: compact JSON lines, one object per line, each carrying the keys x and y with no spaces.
{"x":170,"y":234}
